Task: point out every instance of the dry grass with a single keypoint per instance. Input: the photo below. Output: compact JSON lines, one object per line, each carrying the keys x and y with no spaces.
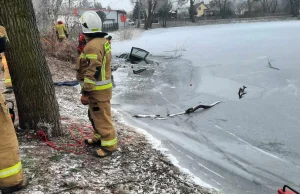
{"x":65,"y":51}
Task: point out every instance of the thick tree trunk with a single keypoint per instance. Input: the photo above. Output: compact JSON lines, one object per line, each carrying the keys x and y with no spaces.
{"x":31,"y":77}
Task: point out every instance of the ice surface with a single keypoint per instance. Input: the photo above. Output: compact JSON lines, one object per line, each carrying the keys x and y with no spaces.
{"x":252,"y":142}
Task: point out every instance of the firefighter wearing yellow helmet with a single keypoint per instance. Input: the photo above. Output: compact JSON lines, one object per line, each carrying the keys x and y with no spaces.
{"x":94,"y":73}
{"x":11,"y":174}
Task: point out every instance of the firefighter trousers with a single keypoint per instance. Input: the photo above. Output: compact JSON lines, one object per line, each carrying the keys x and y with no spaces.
{"x":100,"y":116}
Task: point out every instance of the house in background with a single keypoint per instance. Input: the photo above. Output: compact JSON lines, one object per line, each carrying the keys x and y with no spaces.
{"x":201,"y":8}
{"x":112,"y":16}
{"x":116,"y":16}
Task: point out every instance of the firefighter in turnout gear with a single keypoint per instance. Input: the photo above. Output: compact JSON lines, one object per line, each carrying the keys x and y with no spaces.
{"x":11,"y":174}
{"x":7,"y":78}
{"x":61,"y":31}
{"x":94,"y":74}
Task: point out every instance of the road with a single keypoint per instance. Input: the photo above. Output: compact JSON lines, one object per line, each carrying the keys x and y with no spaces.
{"x":247,"y":145}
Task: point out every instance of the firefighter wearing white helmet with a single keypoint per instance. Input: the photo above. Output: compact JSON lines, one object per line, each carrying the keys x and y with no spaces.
{"x":94,"y":74}
{"x":61,"y":30}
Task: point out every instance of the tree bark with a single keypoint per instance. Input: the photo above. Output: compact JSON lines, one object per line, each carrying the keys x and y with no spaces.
{"x":31,"y":77}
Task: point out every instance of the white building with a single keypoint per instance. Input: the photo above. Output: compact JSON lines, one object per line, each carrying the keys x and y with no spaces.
{"x":112,"y":16}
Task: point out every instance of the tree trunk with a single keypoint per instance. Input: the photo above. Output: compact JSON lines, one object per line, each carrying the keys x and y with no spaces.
{"x":191,"y":11}
{"x":274,"y":6}
{"x":150,"y":20}
{"x":149,"y":15}
{"x":31,"y":77}
{"x":263,"y":3}
{"x":249,"y":3}
{"x":139,"y":13}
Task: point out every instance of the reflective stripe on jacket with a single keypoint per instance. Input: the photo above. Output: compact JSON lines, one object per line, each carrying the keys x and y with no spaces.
{"x":94,"y":66}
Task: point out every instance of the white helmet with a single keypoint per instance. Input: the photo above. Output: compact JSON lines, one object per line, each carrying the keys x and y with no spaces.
{"x":90,"y":22}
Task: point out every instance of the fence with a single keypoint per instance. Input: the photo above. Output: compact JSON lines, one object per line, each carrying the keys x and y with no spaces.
{"x":110,"y":27}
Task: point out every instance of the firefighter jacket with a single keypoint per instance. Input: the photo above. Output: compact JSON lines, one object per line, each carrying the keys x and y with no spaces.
{"x":61,"y":30}
{"x":3,"y":44}
{"x":3,"y":39}
{"x":94,"y":69}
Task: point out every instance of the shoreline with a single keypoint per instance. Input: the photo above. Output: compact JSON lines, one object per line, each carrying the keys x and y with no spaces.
{"x":157,"y":145}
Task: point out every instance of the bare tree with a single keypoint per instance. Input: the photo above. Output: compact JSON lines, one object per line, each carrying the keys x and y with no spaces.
{"x":138,"y":9}
{"x":97,"y":5}
{"x":149,"y":12}
{"x":192,"y":9}
{"x":31,"y":77}
{"x":294,"y":6}
{"x":249,"y":5}
{"x":149,"y":8}
{"x":85,"y":4}
{"x":269,"y":6}
{"x":164,"y":11}
{"x":240,"y":6}
{"x":46,"y":13}
{"x":223,"y":6}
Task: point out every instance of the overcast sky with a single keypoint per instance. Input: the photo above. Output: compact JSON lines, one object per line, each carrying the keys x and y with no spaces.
{"x":126,"y":4}
{"x":116,"y":4}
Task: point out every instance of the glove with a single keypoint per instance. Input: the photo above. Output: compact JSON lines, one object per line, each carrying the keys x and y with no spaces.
{"x":84,"y":100}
